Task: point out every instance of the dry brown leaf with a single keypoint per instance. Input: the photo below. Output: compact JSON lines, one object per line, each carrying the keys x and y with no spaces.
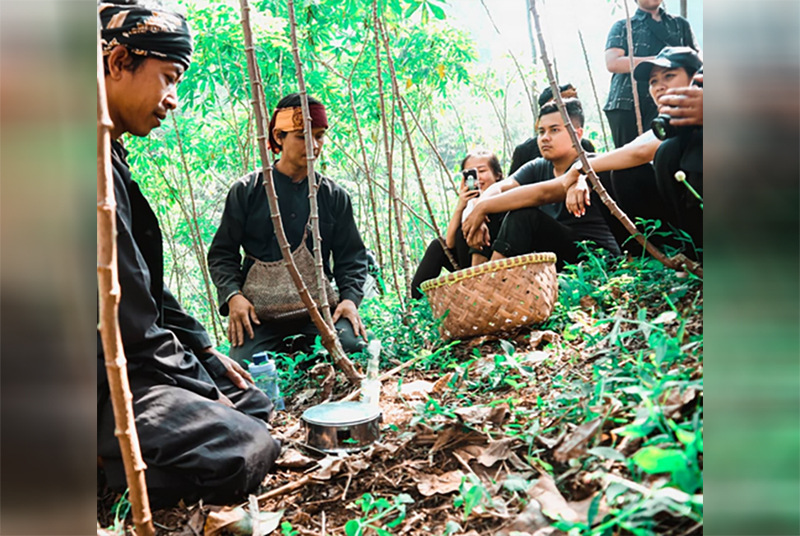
{"x":528,"y":521}
{"x":417,"y":389}
{"x":443,"y":484}
{"x":574,"y":444}
{"x":476,"y":415}
{"x":496,"y":451}
{"x":442,"y":383}
{"x":673,"y":401}
{"x":304,"y":396}
{"x":329,"y":466}
{"x":328,"y":380}
{"x":582,"y":508}
{"x":539,"y":337}
{"x":451,"y":436}
{"x":293,"y":459}
{"x":195,"y":524}
{"x":553,"y":503}
{"x":237,"y":521}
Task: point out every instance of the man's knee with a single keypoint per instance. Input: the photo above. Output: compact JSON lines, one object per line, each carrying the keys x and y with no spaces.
{"x":351,"y":343}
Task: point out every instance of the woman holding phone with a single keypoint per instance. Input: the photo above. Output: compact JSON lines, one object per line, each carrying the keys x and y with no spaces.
{"x":479,"y":170}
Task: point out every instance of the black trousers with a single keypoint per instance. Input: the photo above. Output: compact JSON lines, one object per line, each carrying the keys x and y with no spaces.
{"x":623,"y":124}
{"x":195,"y":448}
{"x":435,"y":258}
{"x":685,"y":153}
{"x":293,"y":336}
{"x":637,"y":194}
{"x":528,"y":230}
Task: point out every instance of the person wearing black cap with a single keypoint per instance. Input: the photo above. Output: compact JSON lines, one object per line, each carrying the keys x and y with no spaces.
{"x":528,"y":150}
{"x":202,"y":425}
{"x":640,"y":188}
{"x":652,"y":29}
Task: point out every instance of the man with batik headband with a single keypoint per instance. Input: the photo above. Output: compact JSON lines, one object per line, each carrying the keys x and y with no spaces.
{"x":202,"y":426}
{"x":246,"y":225}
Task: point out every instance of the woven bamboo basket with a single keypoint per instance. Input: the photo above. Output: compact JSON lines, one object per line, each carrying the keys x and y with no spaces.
{"x":495,"y":296}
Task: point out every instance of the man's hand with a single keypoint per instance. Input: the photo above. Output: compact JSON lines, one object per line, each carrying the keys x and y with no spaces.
{"x":234,"y":371}
{"x":684,"y":105}
{"x":570,"y":178}
{"x":241,"y":313}
{"x":481,"y":238}
{"x":472,"y":225}
{"x":347,"y":309}
{"x":578,"y":197}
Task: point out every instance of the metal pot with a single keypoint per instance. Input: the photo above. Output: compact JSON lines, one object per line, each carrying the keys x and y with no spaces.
{"x":342,"y":426}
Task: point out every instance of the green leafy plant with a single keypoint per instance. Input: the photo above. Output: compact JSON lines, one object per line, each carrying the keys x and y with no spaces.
{"x":376,"y":511}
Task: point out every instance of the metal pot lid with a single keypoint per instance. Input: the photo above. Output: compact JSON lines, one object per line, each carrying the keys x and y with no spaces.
{"x":341,"y":414}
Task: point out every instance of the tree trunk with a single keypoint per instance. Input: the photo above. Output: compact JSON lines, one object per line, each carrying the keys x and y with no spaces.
{"x":680,"y":261}
{"x":328,"y":335}
{"x":313,"y":185}
{"x":109,"y":294}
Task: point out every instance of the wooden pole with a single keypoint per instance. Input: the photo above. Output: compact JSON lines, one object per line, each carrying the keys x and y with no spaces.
{"x":313,"y":183}
{"x":634,"y":85}
{"x":392,"y":192}
{"x":684,"y":9}
{"x":679,"y":261}
{"x":109,"y":294}
{"x":594,"y":89}
{"x":328,"y":335}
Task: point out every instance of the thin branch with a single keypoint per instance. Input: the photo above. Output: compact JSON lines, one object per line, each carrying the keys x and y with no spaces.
{"x":634,"y":85}
{"x":594,"y":89}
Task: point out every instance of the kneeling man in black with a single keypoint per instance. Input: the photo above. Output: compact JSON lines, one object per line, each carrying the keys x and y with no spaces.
{"x":534,"y":196}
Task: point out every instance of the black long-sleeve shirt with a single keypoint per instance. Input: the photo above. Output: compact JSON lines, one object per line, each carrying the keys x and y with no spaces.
{"x":159,"y":338}
{"x":246,"y":224}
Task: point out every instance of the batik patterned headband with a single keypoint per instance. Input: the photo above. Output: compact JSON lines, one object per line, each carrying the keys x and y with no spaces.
{"x":158,"y":34}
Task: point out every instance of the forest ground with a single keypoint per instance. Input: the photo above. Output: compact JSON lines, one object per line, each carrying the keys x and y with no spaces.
{"x":591,"y":423}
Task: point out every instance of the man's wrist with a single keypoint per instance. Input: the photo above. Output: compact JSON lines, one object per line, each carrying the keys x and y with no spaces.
{"x":232,"y":294}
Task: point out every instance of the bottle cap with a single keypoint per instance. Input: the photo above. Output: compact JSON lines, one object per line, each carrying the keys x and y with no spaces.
{"x":260,"y":357}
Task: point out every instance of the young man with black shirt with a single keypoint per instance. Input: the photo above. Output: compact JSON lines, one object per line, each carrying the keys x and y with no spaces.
{"x":246,"y":224}
{"x":202,"y":426}
{"x":529,"y":149}
{"x":652,"y":29}
{"x":534,"y":196}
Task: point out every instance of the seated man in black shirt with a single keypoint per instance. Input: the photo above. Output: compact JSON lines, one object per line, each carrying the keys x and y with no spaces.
{"x":535,"y":194}
{"x":202,"y":427}
{"x":529,"y":149}
{"x":246,"y":225}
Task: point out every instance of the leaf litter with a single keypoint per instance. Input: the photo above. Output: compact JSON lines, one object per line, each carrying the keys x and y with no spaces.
{"x":594,"y":423}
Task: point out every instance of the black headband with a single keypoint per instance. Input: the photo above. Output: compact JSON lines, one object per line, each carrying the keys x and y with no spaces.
{"x":159,"y":34}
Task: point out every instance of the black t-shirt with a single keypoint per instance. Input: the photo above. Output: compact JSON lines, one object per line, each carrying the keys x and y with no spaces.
{"x":529,"y":150}
{"x":591,"y":226}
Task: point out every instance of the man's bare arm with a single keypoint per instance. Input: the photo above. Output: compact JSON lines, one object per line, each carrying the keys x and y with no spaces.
{"x":618,"y":62}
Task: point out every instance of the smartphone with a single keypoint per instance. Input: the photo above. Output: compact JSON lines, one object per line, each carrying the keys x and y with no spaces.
{"x":471,"y":178}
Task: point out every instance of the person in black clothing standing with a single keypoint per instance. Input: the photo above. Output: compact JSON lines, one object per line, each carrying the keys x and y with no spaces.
{"x":202,"y":426}
{"x":653,"y":29}
{"x":246,"y":225}
{"x":537,"y":220}
{"x":529,"y":149}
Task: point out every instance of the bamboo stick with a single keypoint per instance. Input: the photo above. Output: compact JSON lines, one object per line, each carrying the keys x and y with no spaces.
{"x":392,"y":193}
{"x":634,"y":85}
{"x":313,"y":183}
{"x":594,"y":89}
{"x":328,"y":335}
{"x":401,"y":105}
{"x":109,"y":295}
{"x":679,"y":261}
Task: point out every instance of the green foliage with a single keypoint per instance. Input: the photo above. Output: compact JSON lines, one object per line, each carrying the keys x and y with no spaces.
{"x":375,"y":510}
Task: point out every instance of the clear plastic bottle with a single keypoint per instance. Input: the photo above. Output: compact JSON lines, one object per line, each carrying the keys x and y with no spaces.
{"x":371,"y":385}
{"x":265,"y":375}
